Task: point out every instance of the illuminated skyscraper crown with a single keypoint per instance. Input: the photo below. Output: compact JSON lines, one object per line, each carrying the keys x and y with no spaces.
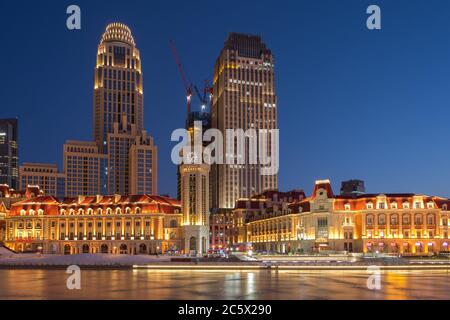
{"x":118,"y":32}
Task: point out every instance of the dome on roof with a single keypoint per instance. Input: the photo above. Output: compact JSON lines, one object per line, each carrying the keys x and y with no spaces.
{"x":118,"y":32}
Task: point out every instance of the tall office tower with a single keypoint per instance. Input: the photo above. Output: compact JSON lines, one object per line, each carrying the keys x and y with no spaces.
{"x":83,"y":167}
{"x":119,"y":132}
{"x":244,"y":98}
{"x":143,"y":166}
{"x":44,"y":175}
{"x":9,"y":154}
{"x":118,"y":88}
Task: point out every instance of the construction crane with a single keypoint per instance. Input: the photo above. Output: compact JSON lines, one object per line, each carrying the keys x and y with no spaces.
{"x":201,"y":98}
{"x":207,"y":93}
{"x":186,"y":83}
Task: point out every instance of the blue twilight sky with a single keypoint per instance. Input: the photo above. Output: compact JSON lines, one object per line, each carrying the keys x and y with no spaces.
{"x":353,"y":103}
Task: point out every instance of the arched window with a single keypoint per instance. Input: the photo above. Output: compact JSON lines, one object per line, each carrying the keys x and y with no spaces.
{"x":108,"y":211}
{"x":142,"y":248}
{"x":123,"y":249}
{"x":406,"y":219}
{"x":173,"y":223}
{"x":71,"y":212}
{"x":369,"y":220}
{"x":90,"y":212}
{"x":99,"y":211}
{"x":394,"y":219}
{"x":31,"y":212}
{"x":138,"y":210}
{"x":128,"y":210}
{"x":67,"y":249}
{"x":23,"y":212}
{"x":430,"y":219}
{"x":118,"y":211}
{"x":80,"y":212}
{"x":40,"y":212}
{"x":382,"y":219}
{"x":104,"y":248}
{"x":418,"y":219}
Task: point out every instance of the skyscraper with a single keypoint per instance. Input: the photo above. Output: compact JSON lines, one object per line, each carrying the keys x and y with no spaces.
{"x":9,"y":157}
{"x":244,"y":98}
{"x":122,"y":159}
{"x":119,"y":115}
{"x":118,"y":88}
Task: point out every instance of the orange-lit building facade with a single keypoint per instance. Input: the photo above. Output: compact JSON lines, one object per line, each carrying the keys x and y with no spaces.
{"x":10,"y":196}
{"x":396,"y":224}
{"x":137,"y":224}
{"x":228,"y":227}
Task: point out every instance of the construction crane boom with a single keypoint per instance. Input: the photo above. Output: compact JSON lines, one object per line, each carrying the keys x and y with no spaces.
{"x":187,"y":85}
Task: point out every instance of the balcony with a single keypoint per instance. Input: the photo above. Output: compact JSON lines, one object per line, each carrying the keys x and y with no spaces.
{"x":348,"y":224}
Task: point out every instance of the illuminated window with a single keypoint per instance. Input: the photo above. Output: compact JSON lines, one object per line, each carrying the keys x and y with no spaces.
{"x":406,"y":219}
{"x":418,"y":219}
{"x":394,"y":219}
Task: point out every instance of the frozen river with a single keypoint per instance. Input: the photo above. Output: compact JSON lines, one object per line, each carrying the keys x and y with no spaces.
{"x":246,"y":285}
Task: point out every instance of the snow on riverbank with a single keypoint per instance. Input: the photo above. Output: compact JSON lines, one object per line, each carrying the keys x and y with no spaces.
{"x":8,"y":258}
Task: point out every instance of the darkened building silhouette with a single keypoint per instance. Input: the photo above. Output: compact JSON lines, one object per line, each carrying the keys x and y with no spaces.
{"x":9,"y":153}
{"x":352,"y":187}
